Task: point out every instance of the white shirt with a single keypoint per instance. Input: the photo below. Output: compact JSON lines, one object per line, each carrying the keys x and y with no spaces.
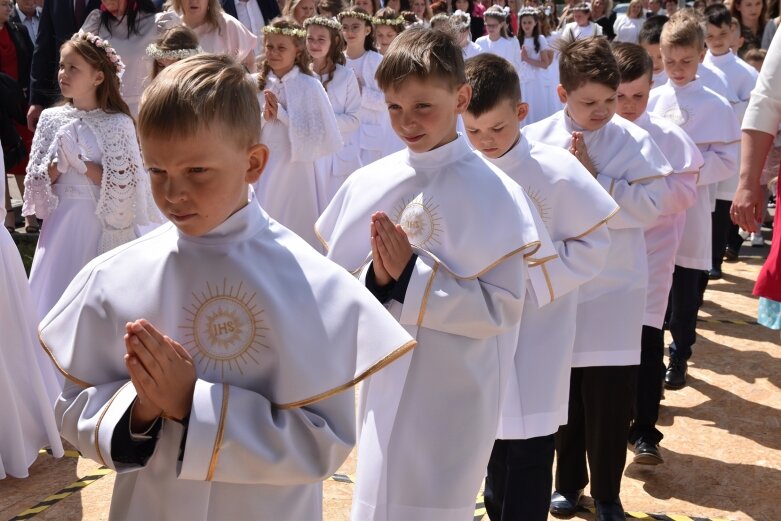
{"x":30,"y":22}
{"x":249,"y":14}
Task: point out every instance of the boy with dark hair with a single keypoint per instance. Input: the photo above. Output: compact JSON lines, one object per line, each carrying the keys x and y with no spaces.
{"x":574,"y":209}
{"x":648,"y":38}
{"x":662,"y":238}
{"x":440,"y":237}
{"x":630,"y":167}
{"x":710,"y":122}
{"x":246,"y":406}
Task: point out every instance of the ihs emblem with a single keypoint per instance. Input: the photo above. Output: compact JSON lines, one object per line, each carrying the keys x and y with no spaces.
{"x":678,"y":115}
{"x":224,"y":327}
{"x":420,"y":221}
{"x":539,"y":203}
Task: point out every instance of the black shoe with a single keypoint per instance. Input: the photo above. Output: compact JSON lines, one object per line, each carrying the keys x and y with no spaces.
{"x":675,"y":377}
{"x":647,"y":453}
{"x":565,"y":503}
{"x":714,"y":274}
{"x":730,"y":255}
{"x":610,"y":510}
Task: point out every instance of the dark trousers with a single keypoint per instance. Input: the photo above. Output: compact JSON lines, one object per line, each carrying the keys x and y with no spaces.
{"x":601,"y":401}
{"x":684,"y":303}
{"x":720,"y":230}
{"x":734,"y":240}
{"x":650,"y":375}
{"x":520,"y":478}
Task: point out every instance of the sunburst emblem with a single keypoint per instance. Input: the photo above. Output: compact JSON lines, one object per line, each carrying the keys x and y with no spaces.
{"x":420,"y":220}
{"x":539,"y":203}
{"x":678,"y":115}
{"x":224,"y":328}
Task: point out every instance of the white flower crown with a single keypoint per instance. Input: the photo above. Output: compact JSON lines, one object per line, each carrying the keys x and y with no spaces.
{"x":529,"y":11}
{"x":393,"y":22}
{"x":103,"y":45}
{"x":355,"y":14}
{"x":154,"y":52}
{"x":287,"y":31}
{"x":323,"y":21}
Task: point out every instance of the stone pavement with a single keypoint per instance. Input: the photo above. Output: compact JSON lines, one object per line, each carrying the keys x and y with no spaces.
{"x":722,"y":445}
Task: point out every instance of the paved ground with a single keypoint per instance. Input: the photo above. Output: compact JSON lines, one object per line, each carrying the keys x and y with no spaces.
{"x":722,"y":443}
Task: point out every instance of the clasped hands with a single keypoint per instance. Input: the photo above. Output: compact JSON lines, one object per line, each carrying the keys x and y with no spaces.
{"x":391,"y":249}
{"x":578,"y":149}
{"x":163,"y":373}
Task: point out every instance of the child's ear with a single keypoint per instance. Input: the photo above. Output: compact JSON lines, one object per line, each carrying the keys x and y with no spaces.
{"x":258,"y":158}
{"x":562,"y":93}
{"x":463,"y":97}
{"x":523,"y":111}
{"x":99,"y":77}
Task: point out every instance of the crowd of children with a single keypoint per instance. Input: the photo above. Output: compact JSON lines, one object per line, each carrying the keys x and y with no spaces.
{"x":488,"y":235}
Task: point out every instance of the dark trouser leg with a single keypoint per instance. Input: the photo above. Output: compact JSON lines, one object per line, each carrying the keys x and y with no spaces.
{"x":608,"y":400}
{"x":720,"y":230}
{"x":734,"y":240}
{"x":571,"y":472}
{"x":529,"y":479}
{"x":495,"y":481}
{"x":650,"y":375}
{"x":684,"y":304}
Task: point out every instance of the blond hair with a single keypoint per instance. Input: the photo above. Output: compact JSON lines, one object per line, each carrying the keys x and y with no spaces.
{"x":684,"y":29}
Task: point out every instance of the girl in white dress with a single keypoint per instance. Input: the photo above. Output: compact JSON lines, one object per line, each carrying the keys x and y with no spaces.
{"x":536,"y":58}
{"x":218,"y":32}
{"x":375,"y":136}
{"x":299,"y":127}
{"x":500,"y":40}
{"x":326,"y":47}
{"x":461,"y":24}
{"x":85,"y":177}
{"x":627,"y":28}
{"x":551,"y":74}
{"x":28,"y":382}
{"x":387,"y":26}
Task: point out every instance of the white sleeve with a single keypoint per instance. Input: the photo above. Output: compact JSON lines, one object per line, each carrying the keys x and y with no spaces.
{"x":348,"y":121}
{"x":764,"y":108}
{"x":641,"y":201}
{"x":721,"y":162}
{"x":580,"y":260}
{"x":475,"y":308}
{"x":236,"y":436}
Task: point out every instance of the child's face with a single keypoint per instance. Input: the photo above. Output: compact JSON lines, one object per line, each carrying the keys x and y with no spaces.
{"x":681,"y":62}
{"x":366,"y":5}
{"x":462,"y":5}
{"x":718,"y":38}
{"x":77,"y":78}
{"x":736,"y":37}
{"x":281,"y":53}
{"x":654,"y":50}
{"x":632,"y":97}
{"x":591,"y":105}
{"x":355,"y":32}
{"x":384,"y":36}
{"x":419,"y":8}
{"x":200,"y":181}
{"x":424,"y":113}
{"x":581,"y":18}
{"x":527,"y":24}
{"x":318,"y":41}
{"x":493,"y":27}
{"x":305,"y":9}
{"x":494,"y":132}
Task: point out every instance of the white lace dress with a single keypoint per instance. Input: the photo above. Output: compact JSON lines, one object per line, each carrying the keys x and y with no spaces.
{"x":28,"y":379}
{"x":533,"y":83}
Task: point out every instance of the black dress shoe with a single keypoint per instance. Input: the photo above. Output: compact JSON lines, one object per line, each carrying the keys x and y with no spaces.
{"x":610,"y":510}
{"x":714,"y":274}
{"x":647,"y":453}
{"x":565,"y":503}
{"x":675,"y":377}
{"x":730,"y":255}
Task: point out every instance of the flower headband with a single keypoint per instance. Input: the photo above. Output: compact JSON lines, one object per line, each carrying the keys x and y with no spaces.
{"x":529,"y":11}
{"x":155,"y":52}
{"x":501,"y":12}
{"x":287,"y":31}
{"x":355,"y":14}
{"x":392,"y":22}
{"x":323,"y":21}
{"x":103,"y":45}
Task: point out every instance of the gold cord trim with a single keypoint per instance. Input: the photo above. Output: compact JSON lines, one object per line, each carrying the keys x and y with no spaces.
{"x":65,"y":373}
{"x":322,"y":241}
{"x":424,"y":304}
{"x":392,"y":357}
{"x":548,"y":282}
{"x":649,"y":178}
{"x":600,"y":223}
{"x":100,"y":420}
{"x":612,"y":185}
{"x":533,"y":263}
{"x":220,"y":432}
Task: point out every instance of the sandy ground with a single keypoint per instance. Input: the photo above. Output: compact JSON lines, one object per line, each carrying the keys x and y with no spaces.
{"x":722,"y":445}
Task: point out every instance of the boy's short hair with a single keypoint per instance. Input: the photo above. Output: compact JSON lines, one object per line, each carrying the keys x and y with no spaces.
{"x":493,"y":80}
{"x":755,"y":55}
{"x":588,"y":60}
{"x":718,"y":15}
{"x":421,"y":53}
{"x":651,"y":31}
{"x":683,"y":30}
{"x":198,"y":92}
{"x":633,"y":61}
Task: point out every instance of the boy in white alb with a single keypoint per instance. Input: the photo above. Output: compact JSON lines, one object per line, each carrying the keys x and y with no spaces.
{"x":440,"y":236}
{"x":631,"y":168}
{"x":247,"y":411}
{"x":741,"y":78}
{"x":661,"y":239}
{"x":574,"y":209}
{"x":710,"y":122}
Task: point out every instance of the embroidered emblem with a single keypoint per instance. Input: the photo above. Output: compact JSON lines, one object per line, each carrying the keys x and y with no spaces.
{"x":420,"y":220}
{"x":224,"y":327}
{"x":539,"y":203}
{"x":678,"y":115}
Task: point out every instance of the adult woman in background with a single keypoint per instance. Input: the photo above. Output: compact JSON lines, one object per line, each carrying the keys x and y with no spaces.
{"x":751,"y":15}
{"x":603,"y":15}
{"x":627,"y":28}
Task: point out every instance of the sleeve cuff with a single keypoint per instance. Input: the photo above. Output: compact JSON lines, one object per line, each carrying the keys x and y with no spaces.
{"x":416,"y":298}
{"x":109,"y":419}
{"x":204,"y":431}
{"x":607,"y":183}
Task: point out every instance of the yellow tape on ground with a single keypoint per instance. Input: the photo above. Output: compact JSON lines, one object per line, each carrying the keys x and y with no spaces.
{"x":69,"y":490}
